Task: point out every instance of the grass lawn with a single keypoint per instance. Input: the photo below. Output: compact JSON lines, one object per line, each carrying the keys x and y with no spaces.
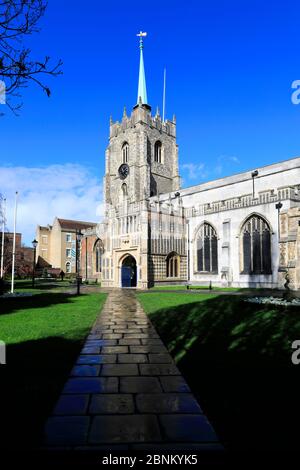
{"x":236,"y":356}
{"x":44,"y":334}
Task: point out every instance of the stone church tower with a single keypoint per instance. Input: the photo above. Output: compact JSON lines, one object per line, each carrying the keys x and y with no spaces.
{"x":142,"y":156}
{"x":141,"y":163}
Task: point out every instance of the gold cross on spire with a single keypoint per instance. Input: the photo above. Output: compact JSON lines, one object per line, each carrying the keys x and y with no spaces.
{"x":141,"y":35}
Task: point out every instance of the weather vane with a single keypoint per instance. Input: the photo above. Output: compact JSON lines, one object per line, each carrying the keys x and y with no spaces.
{"x":141,"y":35}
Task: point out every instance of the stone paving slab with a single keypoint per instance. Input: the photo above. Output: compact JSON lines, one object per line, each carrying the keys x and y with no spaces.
{"x":125,"y":390}
{"x":128,"y":428}
{"x":119,"y":403}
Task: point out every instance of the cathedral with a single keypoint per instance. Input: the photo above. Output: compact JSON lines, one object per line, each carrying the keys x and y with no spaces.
{"x":241,"y":231}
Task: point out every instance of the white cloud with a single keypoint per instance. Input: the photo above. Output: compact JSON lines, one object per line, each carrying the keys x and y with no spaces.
{"x":194,"y":171}
{"x":68,"y":191}
{"x":224,"y":163}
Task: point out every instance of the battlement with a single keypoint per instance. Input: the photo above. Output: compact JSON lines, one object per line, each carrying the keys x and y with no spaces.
{"x":141,"y":114}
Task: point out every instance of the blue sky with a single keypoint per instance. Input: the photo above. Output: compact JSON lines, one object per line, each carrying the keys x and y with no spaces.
{"x":230,"y":66}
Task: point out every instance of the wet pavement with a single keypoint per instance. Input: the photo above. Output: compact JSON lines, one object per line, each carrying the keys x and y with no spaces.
{"x":125,"y":390}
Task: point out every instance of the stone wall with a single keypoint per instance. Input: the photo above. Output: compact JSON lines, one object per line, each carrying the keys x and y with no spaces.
{"x":289,"y":254}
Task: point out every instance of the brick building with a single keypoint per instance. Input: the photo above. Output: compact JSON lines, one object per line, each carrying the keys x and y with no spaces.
{"x":24,"y":255}
{"x":57,"y":243}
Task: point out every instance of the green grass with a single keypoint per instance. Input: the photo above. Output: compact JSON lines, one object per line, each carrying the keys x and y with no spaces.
{"x":48,"y":315}
{"x":236,"y":356}
{"x":44,"y":334}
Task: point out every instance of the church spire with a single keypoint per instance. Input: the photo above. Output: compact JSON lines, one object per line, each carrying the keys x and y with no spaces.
{"x":142,"y":90}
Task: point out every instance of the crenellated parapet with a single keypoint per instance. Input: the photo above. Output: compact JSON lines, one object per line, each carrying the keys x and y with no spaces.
{"x":141,"y":114}
{"x":247,"y":200}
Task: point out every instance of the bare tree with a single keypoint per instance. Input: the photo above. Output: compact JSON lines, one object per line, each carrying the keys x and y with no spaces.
{"x":18,"y":19}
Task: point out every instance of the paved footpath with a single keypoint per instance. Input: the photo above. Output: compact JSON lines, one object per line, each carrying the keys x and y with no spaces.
{"x":125,"y":392}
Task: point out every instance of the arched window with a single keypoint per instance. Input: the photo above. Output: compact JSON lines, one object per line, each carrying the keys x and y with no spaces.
{"x":68,"y":267}
{"x":158,"y":152}
{"x":256,"y":246}
{"x":98,"y":252}
{"x":124,"y":190}
{"x":125,"y":152}
{"x":173,"y":265}
{"x":207,"y":249}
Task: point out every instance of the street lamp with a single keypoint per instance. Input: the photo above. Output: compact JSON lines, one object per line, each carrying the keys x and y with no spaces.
{"x":278,"y":206}
{"x":34,"y":244}
{"x":253,"y":174}
{"x":78,"y":241}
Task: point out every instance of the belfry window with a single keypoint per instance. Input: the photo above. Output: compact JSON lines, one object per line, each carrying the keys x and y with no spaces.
{"x":207,"y":249}
{"x":158,"y":152}
{"x":256,"y":246}
{"x":124,"y":190}
{"x":173,"y":265}
{"x":125,"y":152}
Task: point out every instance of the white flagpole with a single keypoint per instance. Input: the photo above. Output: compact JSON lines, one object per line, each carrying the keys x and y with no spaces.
{"x":14,"y":247}
{"x":164,"y":95}
{"x":2,"y":241}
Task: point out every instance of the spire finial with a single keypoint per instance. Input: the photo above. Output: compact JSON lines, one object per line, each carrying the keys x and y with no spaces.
{"x":142,"y":91}
{"x":124,"y":113}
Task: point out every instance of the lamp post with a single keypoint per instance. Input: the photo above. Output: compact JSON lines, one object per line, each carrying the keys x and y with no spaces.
{"x":278,"y":206}
{"x":78,"y":241}
{"x":253,"y":174}
{"x":34,"y":244}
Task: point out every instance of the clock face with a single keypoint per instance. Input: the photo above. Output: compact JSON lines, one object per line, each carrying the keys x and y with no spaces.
{"x":123,"y":171}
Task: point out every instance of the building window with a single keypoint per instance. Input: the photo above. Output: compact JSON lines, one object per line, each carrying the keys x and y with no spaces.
{"x":125,"y":152}
{"x":256,"y":246}
{"x":68,"y":267}
{"x":44,"y":253}
{"x":124,"y":190}
{"x":68,"y":253}
{"x":173,"y":265}
{"x":68,"y":237}
{"x":158,"y":152}
{"x":44,"y":239}
{"x":207,"y":249}
{"x":98,"y":251}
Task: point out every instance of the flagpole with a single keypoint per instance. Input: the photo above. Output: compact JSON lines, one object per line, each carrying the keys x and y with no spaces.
{"x":2,"y":241}
{"x":14,"y":247}
{"x":164,"y":95}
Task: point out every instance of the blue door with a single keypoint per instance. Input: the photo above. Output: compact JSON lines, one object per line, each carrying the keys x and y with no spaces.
{"x":126,"y":276}
{"x":129,"y":272}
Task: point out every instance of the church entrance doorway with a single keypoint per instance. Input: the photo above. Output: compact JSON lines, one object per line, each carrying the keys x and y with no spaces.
{"x":128,"y":272}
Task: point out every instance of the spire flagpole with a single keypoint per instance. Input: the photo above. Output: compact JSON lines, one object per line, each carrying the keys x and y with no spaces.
{"x":2,"y":241}
{"x":164,"y":95}
{"x":142,"y":90}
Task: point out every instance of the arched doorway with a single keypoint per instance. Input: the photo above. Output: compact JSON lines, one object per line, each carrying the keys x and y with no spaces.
{"x":128,"y":272}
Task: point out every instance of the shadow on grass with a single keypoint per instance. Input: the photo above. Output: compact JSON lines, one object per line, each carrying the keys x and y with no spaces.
{"x":31,"y":383}
{"x":10,"y":305}
{"x":236,"y":356}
